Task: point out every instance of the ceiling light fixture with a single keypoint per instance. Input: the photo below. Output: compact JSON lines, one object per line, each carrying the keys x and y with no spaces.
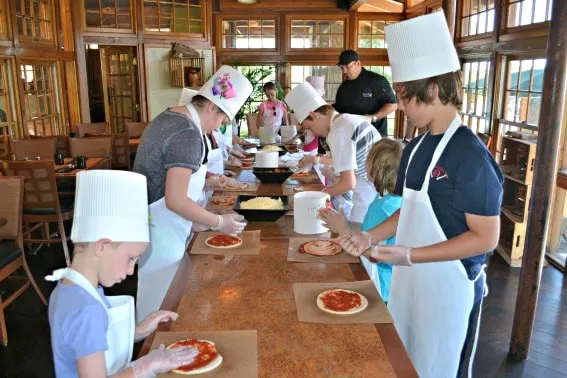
{"x":247,"y":1}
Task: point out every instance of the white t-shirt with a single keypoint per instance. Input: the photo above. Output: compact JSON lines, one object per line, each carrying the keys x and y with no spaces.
{"x":344,"y":150}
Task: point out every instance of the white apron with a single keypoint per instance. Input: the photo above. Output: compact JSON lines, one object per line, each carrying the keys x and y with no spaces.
{"x":169,"y":233}
{"x":215,"y":164}
{"x":430,"y":303}
{"x":269,"y":119}
{"x":121,"y":325}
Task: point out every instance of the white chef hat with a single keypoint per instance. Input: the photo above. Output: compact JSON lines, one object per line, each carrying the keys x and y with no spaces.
{"x":304,"y":99}
{"x":420,"y":48}
{"x":111,"y":205}
{"x":186,"y":96}
{"x":228,"y":89}
{"x":317,"y":82}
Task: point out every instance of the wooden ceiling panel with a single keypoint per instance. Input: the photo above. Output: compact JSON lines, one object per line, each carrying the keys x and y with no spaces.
{"x":377,"y":6}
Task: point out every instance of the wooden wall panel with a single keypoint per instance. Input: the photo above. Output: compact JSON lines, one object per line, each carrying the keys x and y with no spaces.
{"x":72,"y":93}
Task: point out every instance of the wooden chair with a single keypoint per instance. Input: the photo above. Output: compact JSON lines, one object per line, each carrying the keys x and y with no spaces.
{"x":92,"y":128}
{"x":92,"y":147}
{"x":252,"y":122}
{"x":135,"y":129}
{"x":61,"y":143}
{"x":5,"y":146}
{"x":12,"y":254}
{"x":42,"y":205}
{"x":121,"y":151}
{"x":30,"y":149}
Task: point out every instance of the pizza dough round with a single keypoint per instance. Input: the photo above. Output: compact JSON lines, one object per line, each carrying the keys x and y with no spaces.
{"x":356,"y":310}
{"x":320,"y":248}
{"x":224,"y":201}
{"x":207,"y":242}
{"x":203,"y":369}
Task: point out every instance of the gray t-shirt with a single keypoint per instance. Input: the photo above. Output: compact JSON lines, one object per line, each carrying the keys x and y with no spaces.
{"x":170,"y":140}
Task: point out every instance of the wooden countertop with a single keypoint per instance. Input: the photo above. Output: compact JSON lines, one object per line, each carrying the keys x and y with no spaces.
{"x":219,"y":293}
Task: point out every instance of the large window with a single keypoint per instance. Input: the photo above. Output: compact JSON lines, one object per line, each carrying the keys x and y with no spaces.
{"x":475,"y":82}
{"x":174,"y":16}
{"x":317,"y":34}
{"x":524,"y":85}
{"x":525,"y":12}
{"x":333,"y":78}
{"x":249,"y":34}
{"x":371,"y":34}
{"x":108,"y":14}
{"x":41,"y":108}
{"x":35,"y":20}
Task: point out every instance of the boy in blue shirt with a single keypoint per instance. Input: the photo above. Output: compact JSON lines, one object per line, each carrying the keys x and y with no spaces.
{"x":93,"y":335}
{"x":450,"y":213}
{"x":382,"y":166}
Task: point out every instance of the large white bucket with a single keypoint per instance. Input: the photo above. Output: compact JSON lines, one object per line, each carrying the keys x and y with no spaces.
{"x":267,"y":159}
{"x":267,"y":135}
{"x":288,"y":132}
{"x":306,"y":205}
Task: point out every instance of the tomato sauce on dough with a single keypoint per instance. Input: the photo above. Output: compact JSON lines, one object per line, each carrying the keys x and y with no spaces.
{"x":339,"y":300}
{"x":207,"y":354}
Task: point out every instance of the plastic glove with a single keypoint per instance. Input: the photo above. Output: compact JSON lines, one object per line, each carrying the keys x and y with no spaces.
{"x":328,"y":172}
{"x":233,"y":183}
{"x":230,"y":224}
{"x":163,"y":360}
{"x":391,"y":254}
{"x":199,"y":227}
{"x":355,"y":243}
{"x":334,"y":221}
{"x":213,"y":182}
{"x":229,"y":173}
{"x":233,"y":162}
{"x":307,"y":160}
{"x":236,"y":153}
{"x":152,"y":321}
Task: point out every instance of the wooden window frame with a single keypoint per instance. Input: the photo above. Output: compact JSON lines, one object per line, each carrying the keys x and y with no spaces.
{"x":316,"y":51}
{"x":172,"y":35}
{"x":5,"y":21}
{"x":485,"y":106}
{"x":504,"y":89}
{"x":14,"y":125}
{"x":87,"y":28}
{"x":57,"y":127}
{"x":316,"y":63}
{"x":261,"y":17}
{"x":518,"y":28}
{"x":461,"y":16}
{"x":388,"y":17}
{"x":52,"y":23}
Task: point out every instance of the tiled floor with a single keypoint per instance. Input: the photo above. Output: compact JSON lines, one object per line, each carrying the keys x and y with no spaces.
{"x":28,"y":354}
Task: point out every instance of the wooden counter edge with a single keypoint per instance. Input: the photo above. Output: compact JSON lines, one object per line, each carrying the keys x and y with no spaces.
{"x":393,"y":345}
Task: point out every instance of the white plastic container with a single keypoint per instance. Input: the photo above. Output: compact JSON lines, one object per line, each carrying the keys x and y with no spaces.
{"x":267,"y":135}
{"x":267,"y":159}
{"x":306,"y":206}
{"x":288,"y":132}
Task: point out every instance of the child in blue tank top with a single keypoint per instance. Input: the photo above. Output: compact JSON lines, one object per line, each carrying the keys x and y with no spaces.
{"x":382,"y":166}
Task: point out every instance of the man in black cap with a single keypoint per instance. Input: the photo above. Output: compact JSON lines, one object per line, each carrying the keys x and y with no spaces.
{"x":364,"y":92}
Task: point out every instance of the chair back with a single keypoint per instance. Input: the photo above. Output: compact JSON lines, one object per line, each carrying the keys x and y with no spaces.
{"x":11,"y":207}
{"x":5,"y":145}
{"x":61,"y":143}
{"x":40,"y":189}
{"x":92,"y":128}
{"x":252,"y":122}
{"x":135,"y":129}
{"x":121,"y":151}
{"x":44,"y":148}
{"x":91,"y":147}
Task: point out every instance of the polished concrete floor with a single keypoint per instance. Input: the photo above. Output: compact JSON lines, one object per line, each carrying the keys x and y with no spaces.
{"x":28,"y":353}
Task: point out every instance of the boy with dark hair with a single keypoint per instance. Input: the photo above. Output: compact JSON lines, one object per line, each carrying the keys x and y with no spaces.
{"x":450,"y":213}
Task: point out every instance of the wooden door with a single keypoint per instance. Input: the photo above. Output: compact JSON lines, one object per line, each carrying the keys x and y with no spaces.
{"x":120,"y":76}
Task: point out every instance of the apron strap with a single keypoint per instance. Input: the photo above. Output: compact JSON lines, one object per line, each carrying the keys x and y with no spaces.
{"x":455,"y":124}
{"x":79,"y":280}
{"x":412,"y":154}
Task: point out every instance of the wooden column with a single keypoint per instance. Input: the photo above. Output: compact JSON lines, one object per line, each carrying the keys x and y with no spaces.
{"x":450,"y":9}
{"x":545,"y":171}
{"x":81,"y":59}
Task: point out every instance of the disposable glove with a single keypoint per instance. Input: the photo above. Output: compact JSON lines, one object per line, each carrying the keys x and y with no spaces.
{"x":163,"y":360}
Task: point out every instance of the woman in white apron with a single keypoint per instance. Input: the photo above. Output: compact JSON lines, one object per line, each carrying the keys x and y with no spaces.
{"x":272,"y":112}
{"x":220,"y":98}
{"x":449,"y":217}
{"x":111,"y":208}
{"x":349,"y":137}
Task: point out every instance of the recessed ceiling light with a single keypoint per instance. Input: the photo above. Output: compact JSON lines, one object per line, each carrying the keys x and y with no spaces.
{"x":247,"y":1}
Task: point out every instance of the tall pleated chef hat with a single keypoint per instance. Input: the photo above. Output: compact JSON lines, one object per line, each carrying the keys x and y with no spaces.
{"x":420,"y":48}
{"x":186,"y":96}
{"x":111,"y":205}
{"x":304,"y":99}
{"x":228,"y":89}
{"x":317,"y":82}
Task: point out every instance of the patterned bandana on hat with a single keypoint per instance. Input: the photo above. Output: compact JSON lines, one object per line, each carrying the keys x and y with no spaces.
{"x":304,"y":99}
{"x":228,"y":89}
{"x":420,"y":48}
{"x":111,"y":205}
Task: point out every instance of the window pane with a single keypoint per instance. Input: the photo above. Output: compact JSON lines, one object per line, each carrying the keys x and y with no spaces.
{"x":337,"y":27}
{"x":364,"y":41}
{"x":527,"y":12}
{"x":323,"y":27}
{"x":539,"y":11}
{"x":525,"y":75}
{"x":228,"y":42}
{"x":337,"y":41}
{"x":364,"y":27}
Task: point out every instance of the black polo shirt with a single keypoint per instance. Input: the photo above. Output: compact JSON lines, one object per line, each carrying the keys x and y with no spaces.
{"x":366,"y":95}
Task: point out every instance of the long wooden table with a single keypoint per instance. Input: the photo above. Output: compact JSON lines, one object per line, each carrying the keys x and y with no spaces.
{"x":219,"y":293}
{"x":92,"y":163}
